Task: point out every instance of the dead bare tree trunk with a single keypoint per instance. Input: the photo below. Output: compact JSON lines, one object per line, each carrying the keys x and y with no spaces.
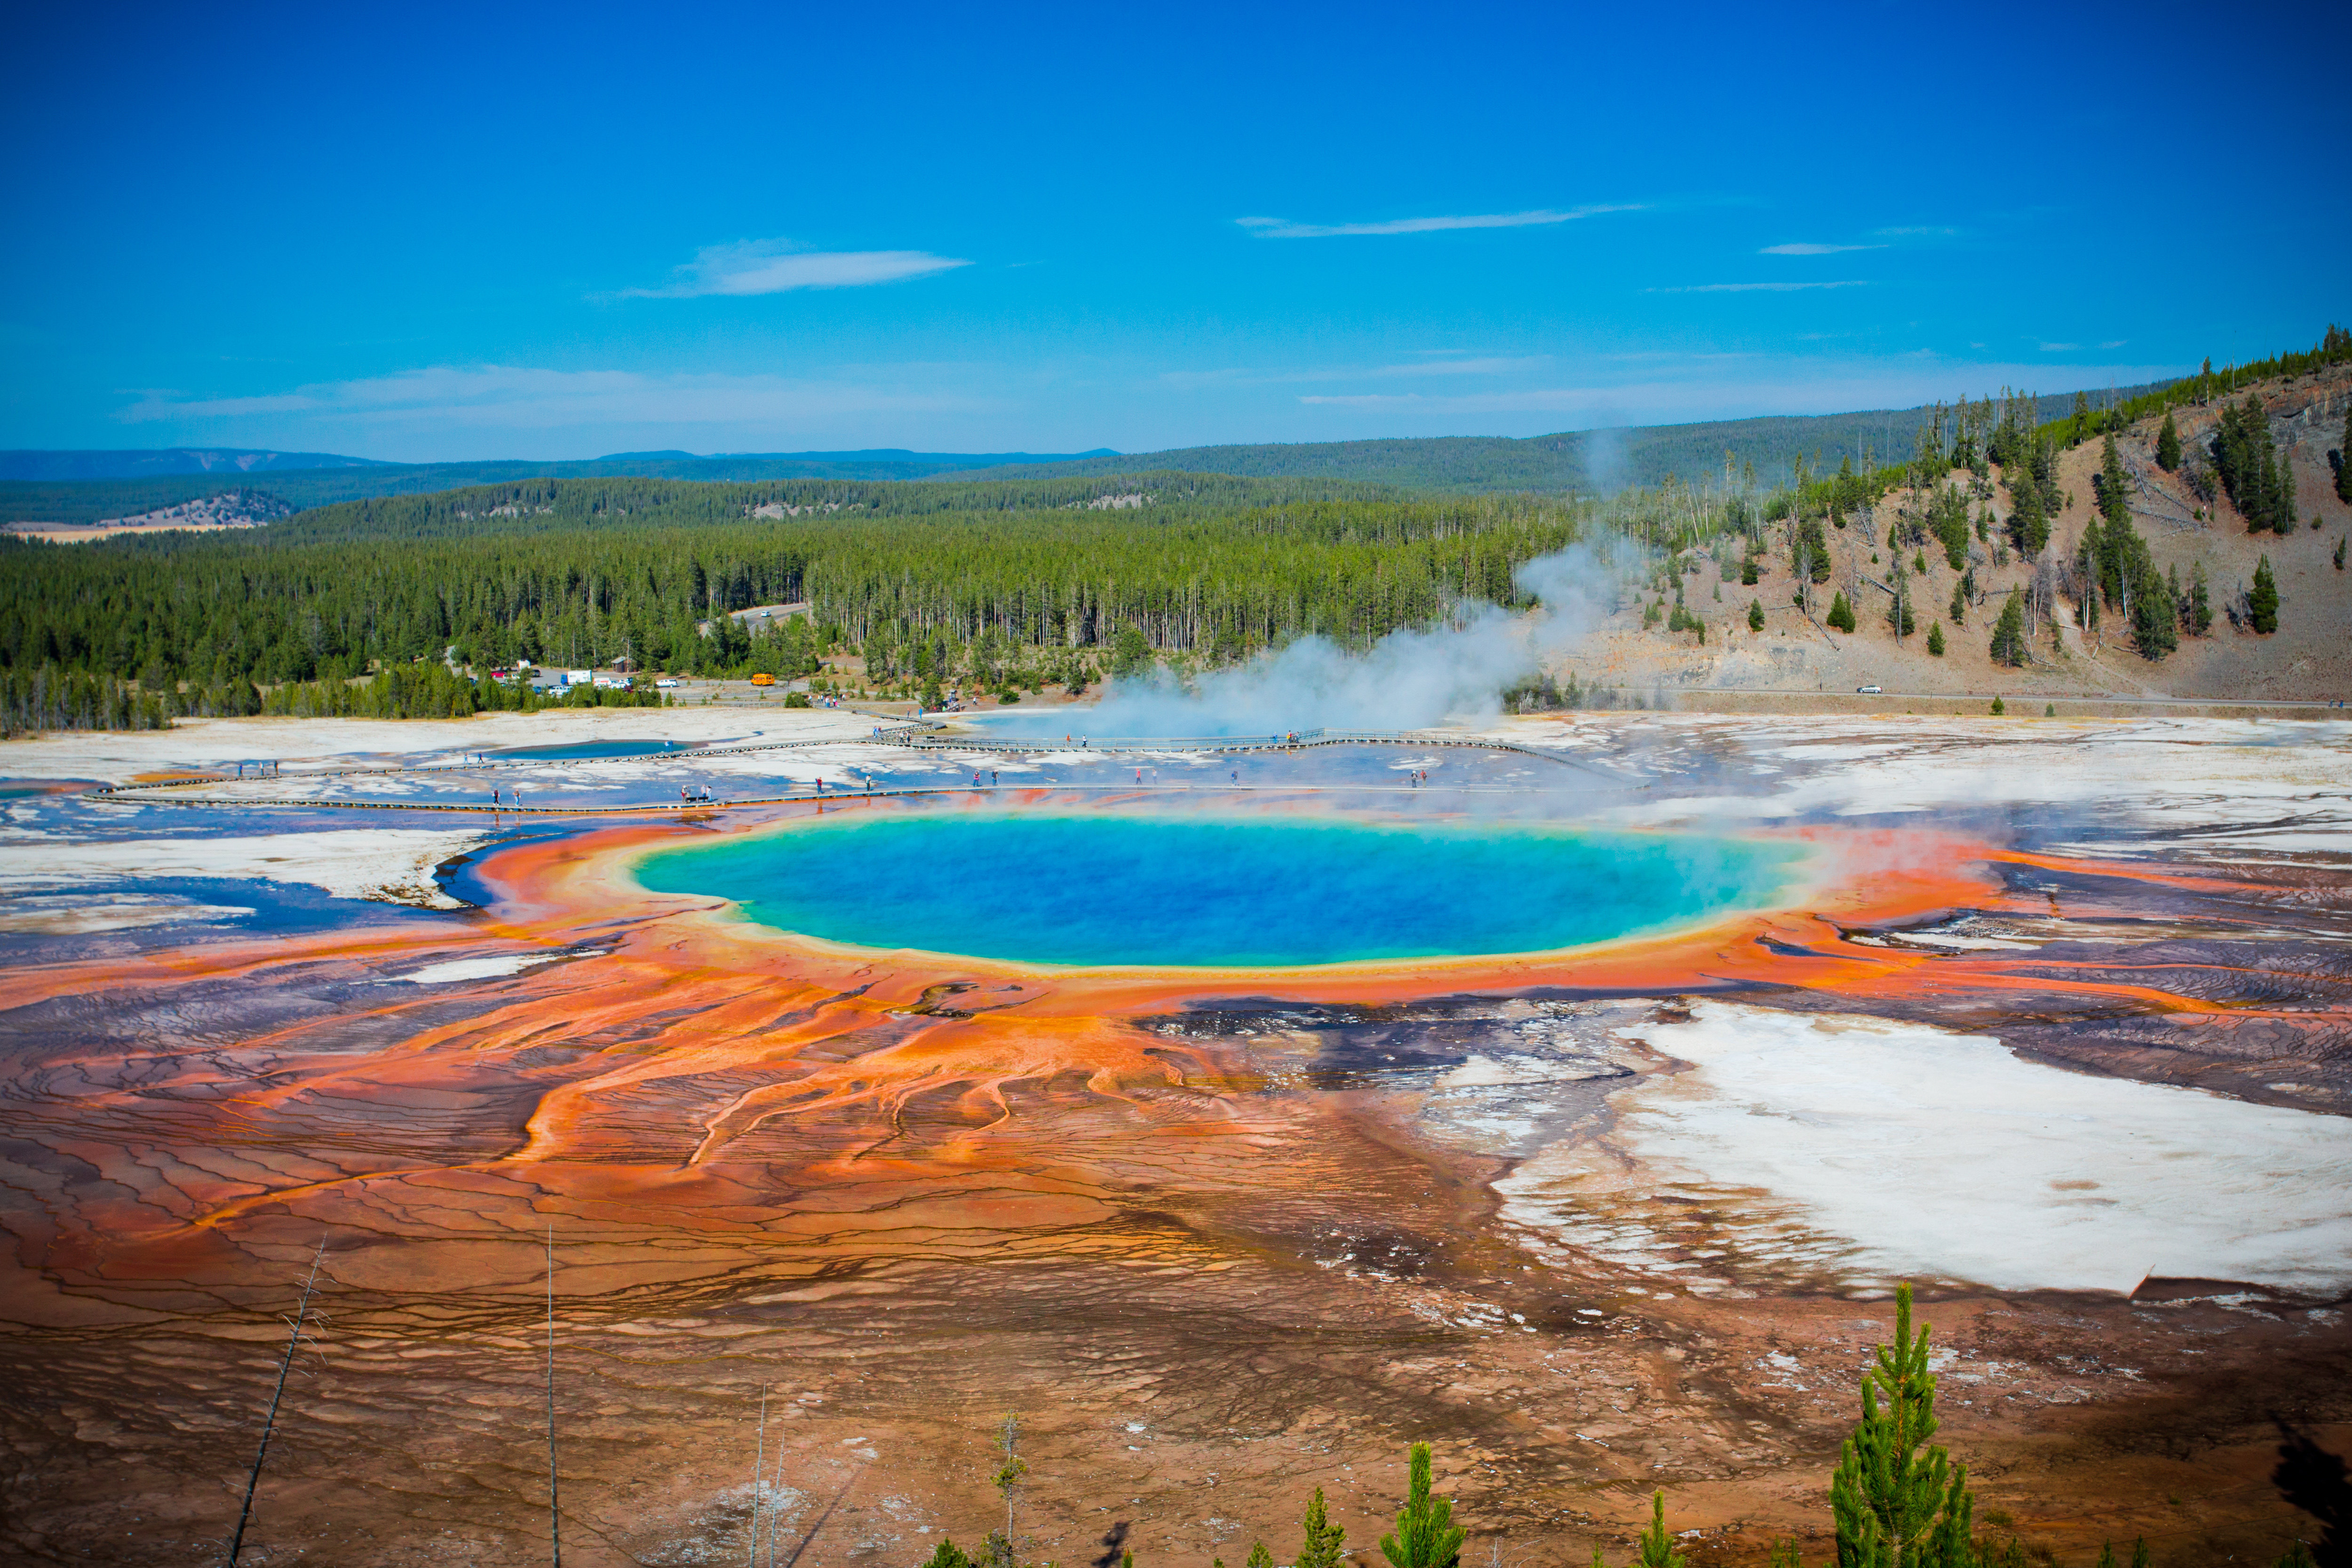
{"x":554,"y":1520}
{"x":759,"y":1479}
{"x":270,"y":1423}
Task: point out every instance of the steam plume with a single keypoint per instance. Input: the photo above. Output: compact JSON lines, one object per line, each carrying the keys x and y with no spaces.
{"x":1408,"y":679}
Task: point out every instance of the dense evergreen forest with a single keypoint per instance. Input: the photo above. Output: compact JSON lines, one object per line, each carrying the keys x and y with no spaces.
{"x":579,"y":572}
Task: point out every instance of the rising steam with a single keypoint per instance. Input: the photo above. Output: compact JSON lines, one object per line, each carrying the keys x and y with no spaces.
{"x":1407,"y":679}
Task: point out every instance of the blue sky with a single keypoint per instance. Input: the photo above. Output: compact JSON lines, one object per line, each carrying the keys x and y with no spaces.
{"x":422,"y":233}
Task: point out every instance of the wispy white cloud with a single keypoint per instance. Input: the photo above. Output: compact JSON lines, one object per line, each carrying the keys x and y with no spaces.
{"x":1804,"y":249}
{"x":776,"y":265}
{"x":2115,"y":342}
{"x":1491,"y":365}
{"x":1455,"y":363}
{"x":520,"y":397}
{"x":1284,"y":228}
{"x":1759,"y":287}
{"x":1914,"y":233}
{"x":2058,"y":347}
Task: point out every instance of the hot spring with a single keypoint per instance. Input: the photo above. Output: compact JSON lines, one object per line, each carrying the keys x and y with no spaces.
{"x":1108,"y":890}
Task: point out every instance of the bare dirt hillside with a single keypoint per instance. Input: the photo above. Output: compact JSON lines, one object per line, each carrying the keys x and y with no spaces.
{"x":2309,"y":658}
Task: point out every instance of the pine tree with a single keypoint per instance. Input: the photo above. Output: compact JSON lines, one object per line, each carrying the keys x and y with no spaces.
{"x":2028,"y":520}
{"x":2343,"y":462}
{"x":1935,"y":639}
{"x":1321,"y":1543}
{"x":2339,"y":553}
{"x":947,"y":1554}
{"x":2168,"y":444}
{"x":2279,"y":473}
{"x":1841,"y":613}
{"x":1260,"y":1557}
{"x":2263,"y":600}
{"x":1748,"y":572}
{"x":1898,"y":1501}
{"x":2154,"y":612}
{"x":1959,"y":608}
{"x":1658,"y":1550}
{"x":1756,"y":606}
{"x":2009,"y":632}
{"x":1999,"y":709}
{"x":2141,"y":1556}
{"x":1426,"y":1536}
{"x":2107,"y":1556}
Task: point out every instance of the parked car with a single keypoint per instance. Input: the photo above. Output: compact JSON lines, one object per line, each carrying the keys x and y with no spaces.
{"x":665,"y":684}
{"x":1868,"y":691}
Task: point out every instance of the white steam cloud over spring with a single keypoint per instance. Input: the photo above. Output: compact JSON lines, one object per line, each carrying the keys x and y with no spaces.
{"x":1408,"y":679}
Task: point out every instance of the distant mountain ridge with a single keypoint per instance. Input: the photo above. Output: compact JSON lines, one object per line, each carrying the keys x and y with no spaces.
{"x":107,"y":463}
{"x":62,"y":487}
{"x":1585,"y":461}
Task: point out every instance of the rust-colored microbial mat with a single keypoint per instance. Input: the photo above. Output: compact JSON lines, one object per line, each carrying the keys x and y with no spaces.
{"x":1209,"y":1230}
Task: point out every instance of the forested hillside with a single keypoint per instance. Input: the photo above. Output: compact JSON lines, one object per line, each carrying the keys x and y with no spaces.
{"x":577,"y":572}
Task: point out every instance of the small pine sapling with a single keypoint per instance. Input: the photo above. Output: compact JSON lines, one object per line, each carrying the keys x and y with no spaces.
{"x":1259,"y":1556}
{"x":1897,"y":1499}
{"x":947,"y":1554}
{"x":1936,"y":637}
{"x":2168,"y":444}
{"x":2141,"y":1556}
{"x":1998,"y":708}
{"x":1756,"y":606}
{"x":1658,"y":1550}
{"x":1426,"y":1535}
{"x":1841,"y":613}
{"x":1321,"y":1540}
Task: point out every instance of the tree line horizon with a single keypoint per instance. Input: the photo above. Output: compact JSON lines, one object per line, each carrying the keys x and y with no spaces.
{"x":1024,"y":581}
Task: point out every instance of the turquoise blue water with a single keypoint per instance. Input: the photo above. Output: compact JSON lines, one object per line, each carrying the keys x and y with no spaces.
{"x":586,"y":748}
{"x":1112,"y":890}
